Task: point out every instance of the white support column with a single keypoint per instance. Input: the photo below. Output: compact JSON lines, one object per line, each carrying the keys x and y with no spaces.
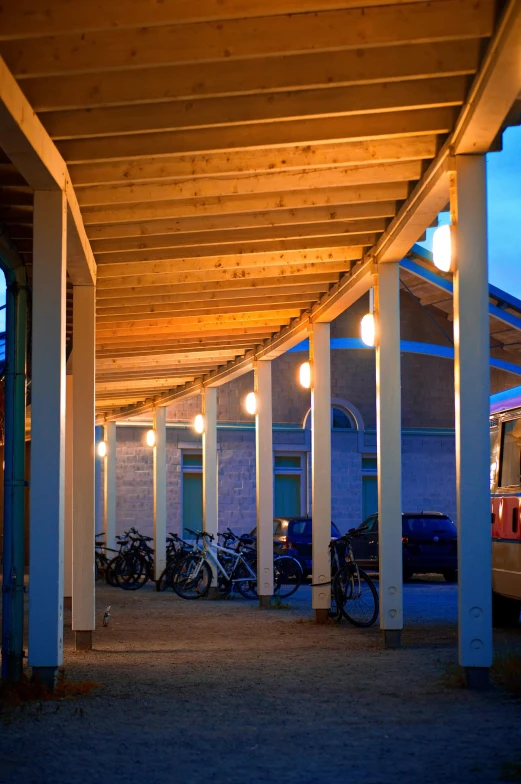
{"x":109,"y":479}
{"x":83,"y":598}
{"x":67,"y":537}
{"x":98,"y":483}
{"x":159,"y":491}
{"x":210,"y":470}
{"x":389,"y":438}
{"x":472,"y":389}
{"x":320,"y":358}
{"x":264,"y":484}
{"x":47,"y":434}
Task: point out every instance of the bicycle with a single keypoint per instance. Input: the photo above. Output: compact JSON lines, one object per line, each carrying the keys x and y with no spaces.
{"x":353,"y":593}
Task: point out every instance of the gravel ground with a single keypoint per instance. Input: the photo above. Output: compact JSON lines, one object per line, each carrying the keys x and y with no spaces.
{"x":220,"y":691}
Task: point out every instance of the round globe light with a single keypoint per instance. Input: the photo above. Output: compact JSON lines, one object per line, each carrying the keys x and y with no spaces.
{"x":368,"y":330}
{"x":442,"y":248}
{"x":151,"y":438}
{"x":305,"y":375}
{"x":102,"y":448}
{"x":250,"y":403}
{"x":199,"y":424}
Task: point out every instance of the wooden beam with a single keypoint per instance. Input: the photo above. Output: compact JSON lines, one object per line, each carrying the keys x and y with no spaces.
{"x":245,"y":109}
{"x":28,"y":146}
{"x":224,"y":252}
{"x":278,"y":182}
{"x":259,"y":161}
{"x":179,"y":326}
{"x":239,"y":287}
{"x":496,"y":88}
{"x":241,"y":265}
{"x":32,"y":19}
{"x":300,"y":71}
{"x":229,"y":237}
{"x":292,"y":219}
{"x":206,"y":298}
{"x":408,"y":122}
{"x":298,"y":303}
{"x":244,"y":38}
{"x":252,"y":203}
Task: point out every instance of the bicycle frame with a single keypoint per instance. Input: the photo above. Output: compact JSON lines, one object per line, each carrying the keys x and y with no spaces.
{"x":210,"y":551}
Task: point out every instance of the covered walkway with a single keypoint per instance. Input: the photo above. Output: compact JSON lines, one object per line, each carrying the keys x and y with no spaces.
{"x":220,"y":691}
{"x":190,"y":190}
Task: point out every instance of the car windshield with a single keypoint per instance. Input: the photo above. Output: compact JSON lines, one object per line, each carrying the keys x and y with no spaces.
{"x":428,"y":525}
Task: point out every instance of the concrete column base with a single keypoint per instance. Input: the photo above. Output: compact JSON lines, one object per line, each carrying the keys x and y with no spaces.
{"x":264,"y":602}
{"x":392,"y":638}
{"x":83,"y":641}
{"x":321,"y":616}
{"x":213,"y":593}
{"x":46,"y":675}
{"x":477,"y":678}
{"x":67,"y":602}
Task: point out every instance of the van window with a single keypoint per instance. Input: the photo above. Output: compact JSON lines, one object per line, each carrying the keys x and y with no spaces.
{"x":511,"y":454}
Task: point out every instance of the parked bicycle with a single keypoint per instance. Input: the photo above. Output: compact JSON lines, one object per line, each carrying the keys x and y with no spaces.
{"x":353,"y":593}
{"x":234,"y":564}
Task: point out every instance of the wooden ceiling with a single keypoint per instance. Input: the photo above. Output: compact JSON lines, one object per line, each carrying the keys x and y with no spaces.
{"x":232,"y":159}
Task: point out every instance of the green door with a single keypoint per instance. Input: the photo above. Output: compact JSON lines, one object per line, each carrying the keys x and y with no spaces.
{"x":192,"y":503}
{"x":369,"y":496}
{"x":287,"y":495}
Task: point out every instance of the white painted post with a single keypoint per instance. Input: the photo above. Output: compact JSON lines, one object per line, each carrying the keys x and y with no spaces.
{"x":47,"y":435}
{"x":98,"y":484}
{"x":320,"y":359}
{"x":83,"y":598}
{"x":67,"y":535}
{"x":472,"y":389}
{"x":389,"y":439}
{"x":264,"y":484}
{"x":210,"y":470}
{"x":159,"y":491}
{"x":110,"y":487}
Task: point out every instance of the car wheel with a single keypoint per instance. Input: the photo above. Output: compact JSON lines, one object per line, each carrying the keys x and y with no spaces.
{"x":450,"y":575}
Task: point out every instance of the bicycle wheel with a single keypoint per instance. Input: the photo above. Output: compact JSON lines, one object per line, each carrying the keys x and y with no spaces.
{"x":192,"y":577}
{"x":360,"y":596}
{"x":110,"y":573}
{"x":287,"y":576}
{"x":337,"y":599}
{"x":128,"y":571}
{"x":246,"y":584}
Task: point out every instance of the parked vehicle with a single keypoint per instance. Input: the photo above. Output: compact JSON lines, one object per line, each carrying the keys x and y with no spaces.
{"x":430,"y":544}
{"x":292,"y":536}
{"x":505,"y":488}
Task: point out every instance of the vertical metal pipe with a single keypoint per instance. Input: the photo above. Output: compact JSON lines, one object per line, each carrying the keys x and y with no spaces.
{"x":14,"y":477}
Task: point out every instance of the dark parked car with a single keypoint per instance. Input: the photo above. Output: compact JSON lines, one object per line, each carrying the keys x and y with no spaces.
{"x":292,"y":535}
{"x":430,"y":544}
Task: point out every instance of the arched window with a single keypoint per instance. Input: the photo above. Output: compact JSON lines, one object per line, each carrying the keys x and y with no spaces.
{"x":341,"y":419}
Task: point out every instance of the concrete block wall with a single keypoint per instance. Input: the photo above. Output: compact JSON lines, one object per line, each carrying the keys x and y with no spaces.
{"x":429,"y":474}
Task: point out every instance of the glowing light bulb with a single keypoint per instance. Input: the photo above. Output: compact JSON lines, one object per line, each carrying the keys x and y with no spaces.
{"x":102,"y":448}
{"x":368,"y":330}
{"x":305,"y":375}
{"x":442,"y":248}
{"x":199,"y":424}
{"x":151,"y":438}
{"x":250,"y":403}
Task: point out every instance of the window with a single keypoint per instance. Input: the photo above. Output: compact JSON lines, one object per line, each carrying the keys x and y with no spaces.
{"x":340,"y":419}
{"x":511,"y":454}
{"x":427,"y":526}
{"x":287,"y":485}
{"x":192,"y":493}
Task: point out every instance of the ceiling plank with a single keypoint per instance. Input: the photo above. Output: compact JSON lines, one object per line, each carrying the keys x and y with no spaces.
{"x":246,"y":109}
{"x":293,"y":219}
{"x":300,"y":71}
{"x":297,"y":302}
{"x":248,"y":203}
{"x":408,"y":122}
{"x":245,"y":38}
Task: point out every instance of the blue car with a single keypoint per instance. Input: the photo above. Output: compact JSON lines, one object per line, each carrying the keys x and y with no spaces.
{"x":292,"y":536}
